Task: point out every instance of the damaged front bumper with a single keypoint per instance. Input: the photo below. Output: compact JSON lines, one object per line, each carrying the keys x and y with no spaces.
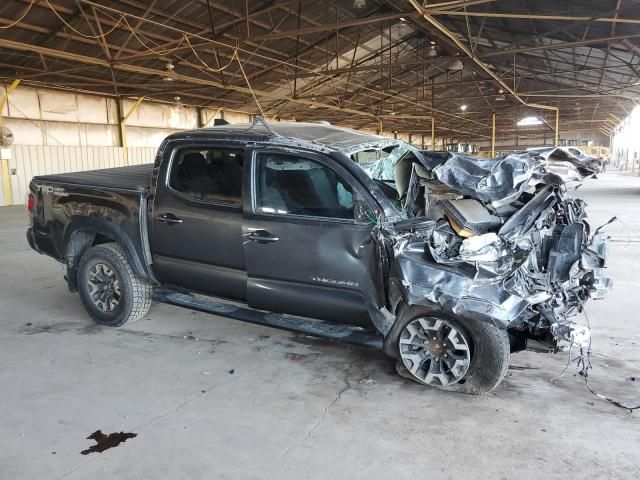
{"x":454,"y":290}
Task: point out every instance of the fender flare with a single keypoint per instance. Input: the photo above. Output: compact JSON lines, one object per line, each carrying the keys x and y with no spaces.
{"x":79,"y":235}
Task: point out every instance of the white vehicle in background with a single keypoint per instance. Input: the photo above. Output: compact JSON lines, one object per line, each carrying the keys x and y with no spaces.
{"x":595,"y":163}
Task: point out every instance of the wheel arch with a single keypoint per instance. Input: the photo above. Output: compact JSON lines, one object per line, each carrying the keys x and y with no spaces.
{"x":83,"y":233}
{"x":490,"y":348}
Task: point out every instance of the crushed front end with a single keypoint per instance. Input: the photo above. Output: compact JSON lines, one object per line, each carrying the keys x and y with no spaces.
{"x":498,"y":241}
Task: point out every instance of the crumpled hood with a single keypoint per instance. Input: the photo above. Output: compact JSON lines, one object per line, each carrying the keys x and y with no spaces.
{"x":501,"y":181}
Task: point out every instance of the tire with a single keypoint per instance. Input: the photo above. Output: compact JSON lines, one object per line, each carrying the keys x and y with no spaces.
{"x":124,"y":298}
{"x":489,"y":350}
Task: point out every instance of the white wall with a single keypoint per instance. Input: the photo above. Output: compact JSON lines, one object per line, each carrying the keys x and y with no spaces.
{"x":56,"y":131}
{"x":39,"y":116}
{"x":49,"y":117}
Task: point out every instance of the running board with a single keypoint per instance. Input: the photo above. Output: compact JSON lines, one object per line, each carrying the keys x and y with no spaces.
{"x":306,"y":326}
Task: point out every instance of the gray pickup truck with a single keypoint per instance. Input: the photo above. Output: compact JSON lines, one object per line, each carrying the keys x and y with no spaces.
{"x":445,"y":262}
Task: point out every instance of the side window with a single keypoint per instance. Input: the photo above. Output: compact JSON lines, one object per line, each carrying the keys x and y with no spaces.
{"x":208,"y":174}
{"x":292,"y":185}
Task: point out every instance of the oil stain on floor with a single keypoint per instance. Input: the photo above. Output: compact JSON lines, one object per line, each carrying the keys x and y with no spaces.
{"x":105,"y":442}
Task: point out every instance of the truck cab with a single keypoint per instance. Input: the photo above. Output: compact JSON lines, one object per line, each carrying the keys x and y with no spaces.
{"x":278,"y":226}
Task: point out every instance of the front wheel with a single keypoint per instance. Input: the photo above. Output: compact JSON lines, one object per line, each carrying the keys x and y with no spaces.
{"x":443,"y":352}
{"x":110,"y":290}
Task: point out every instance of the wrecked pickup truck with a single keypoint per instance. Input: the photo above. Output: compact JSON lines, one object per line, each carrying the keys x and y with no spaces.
{"x":447,"y":263}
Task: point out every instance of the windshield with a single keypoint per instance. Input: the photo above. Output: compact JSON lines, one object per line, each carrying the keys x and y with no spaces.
{"x":378,"y":163}
{"x":382,"y":164}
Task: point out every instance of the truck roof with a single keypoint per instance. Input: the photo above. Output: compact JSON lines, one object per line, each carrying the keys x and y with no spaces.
{"x":326,"y":135}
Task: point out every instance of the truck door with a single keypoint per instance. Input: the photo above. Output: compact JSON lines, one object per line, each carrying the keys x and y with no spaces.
{"x":305,"y":252}
{"x":196,"y":237}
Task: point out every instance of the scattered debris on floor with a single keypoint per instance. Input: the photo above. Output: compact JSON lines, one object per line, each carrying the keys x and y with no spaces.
{"x":583,"y":364}
{"x":105,"y":442}
{"x":368,"y":381}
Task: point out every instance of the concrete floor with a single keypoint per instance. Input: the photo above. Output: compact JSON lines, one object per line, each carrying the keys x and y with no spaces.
{"x":213,"y":398}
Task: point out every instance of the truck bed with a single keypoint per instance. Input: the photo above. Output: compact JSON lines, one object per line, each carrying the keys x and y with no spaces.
{"x":133,"y":178}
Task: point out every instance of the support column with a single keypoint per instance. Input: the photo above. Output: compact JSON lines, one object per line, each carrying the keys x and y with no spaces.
{"x":207,"y":122}
{"x":493,"y":135}
{"x":4,"y":162}
{"x":433,"y":133}
{"x":123,"y":128}
{"x":557,"y":127}
{"x":5,"y":97}
{"x":199,"y":123}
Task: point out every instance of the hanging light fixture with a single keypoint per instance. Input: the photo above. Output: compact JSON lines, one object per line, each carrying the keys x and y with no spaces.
{"x":169,"y":68}
{"x":529,"y":121}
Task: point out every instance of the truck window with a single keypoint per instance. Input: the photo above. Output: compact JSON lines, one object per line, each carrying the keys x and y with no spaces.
{"x":291,"y":185}
{"x":208,"y":174}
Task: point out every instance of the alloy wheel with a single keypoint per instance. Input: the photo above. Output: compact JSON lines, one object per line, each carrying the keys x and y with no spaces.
{"x":104,"y":287}
{"x":435,"y":351}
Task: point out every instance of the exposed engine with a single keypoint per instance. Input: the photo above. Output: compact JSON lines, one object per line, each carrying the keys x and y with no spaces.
{"x":500,"y":240}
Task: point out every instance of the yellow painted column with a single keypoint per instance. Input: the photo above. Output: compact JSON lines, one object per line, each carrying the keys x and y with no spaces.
{"x":4,"y":162}
{"x":493,"y":135}
{"x":557,"y":127}
{"x":433,"y":133}
{"x":6,"y":182}
{"x":123,"y":128}
{"x":5,"y":97}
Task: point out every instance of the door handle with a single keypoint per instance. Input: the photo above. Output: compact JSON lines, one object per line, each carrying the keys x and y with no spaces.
{"x":169,"y":218}
{"x":261,"y":236}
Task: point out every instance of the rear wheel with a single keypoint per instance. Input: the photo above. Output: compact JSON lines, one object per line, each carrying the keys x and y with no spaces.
{"x":443,"y":352}
{"x":110,"y":291}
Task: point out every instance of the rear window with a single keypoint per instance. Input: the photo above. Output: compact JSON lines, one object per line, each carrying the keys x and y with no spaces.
{"x":209,"y":174}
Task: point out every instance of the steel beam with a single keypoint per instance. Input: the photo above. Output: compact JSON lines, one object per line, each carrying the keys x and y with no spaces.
{"x":451,"y":36}
{"x":558,"y":46}
{"x":356,"y":22}
{"x":529,"y":16}
{"x":74,"y":57}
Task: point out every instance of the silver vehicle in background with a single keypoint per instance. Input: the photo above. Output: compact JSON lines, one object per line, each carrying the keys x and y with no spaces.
{"x":595,"y":163}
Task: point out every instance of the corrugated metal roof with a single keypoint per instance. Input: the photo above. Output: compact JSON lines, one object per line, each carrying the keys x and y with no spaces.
{"x":326,"y":60}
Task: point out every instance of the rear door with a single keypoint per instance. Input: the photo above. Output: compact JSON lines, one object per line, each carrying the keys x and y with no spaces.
{"x":197,"y":220}
{"x":305,"y":252}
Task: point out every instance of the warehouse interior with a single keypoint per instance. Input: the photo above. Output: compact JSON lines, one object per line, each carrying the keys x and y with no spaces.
{"x":88,"y":85}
